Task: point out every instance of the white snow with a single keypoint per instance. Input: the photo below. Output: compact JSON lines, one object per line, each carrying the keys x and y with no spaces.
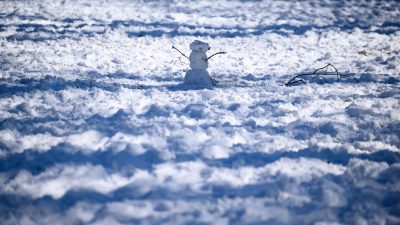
{"x":97,"y":125}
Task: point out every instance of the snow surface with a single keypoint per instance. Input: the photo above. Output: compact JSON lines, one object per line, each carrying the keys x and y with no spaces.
{"x":97,"y":128}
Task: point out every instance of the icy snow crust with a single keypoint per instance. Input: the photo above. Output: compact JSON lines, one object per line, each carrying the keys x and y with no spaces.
{"x":97,"y":128}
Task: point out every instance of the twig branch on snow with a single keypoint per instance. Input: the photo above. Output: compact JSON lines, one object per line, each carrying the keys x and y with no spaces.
{"x":173,"y":47}
{"x":317,"y":72}
{"x":215,"y":55}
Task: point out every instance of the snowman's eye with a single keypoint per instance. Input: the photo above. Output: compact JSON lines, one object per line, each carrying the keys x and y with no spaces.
{"x":209,"y":48}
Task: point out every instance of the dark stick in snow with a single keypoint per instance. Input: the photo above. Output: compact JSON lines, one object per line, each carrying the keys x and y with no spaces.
{"x":315,"y":73}
{"x":215,"y":54}
{"x":180,"y":52}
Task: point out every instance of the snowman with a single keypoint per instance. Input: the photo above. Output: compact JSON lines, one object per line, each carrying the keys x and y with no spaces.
{"x":198,"y":75}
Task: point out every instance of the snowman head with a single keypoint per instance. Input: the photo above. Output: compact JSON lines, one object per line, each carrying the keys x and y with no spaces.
{"x":199,"y":46}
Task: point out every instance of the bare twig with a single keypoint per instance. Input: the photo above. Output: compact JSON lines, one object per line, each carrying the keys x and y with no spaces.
{"x":317,"y":72}
{"x":215,"y":54}
{"x":180,"y":52}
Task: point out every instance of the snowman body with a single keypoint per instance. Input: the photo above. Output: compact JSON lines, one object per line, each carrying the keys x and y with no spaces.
{"x":198,"y":60}
{"x":198,"y":75}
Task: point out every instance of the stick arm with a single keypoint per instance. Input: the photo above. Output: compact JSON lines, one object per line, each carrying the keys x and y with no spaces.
{"x":173,"y":47}
{"x":215,"y":55}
